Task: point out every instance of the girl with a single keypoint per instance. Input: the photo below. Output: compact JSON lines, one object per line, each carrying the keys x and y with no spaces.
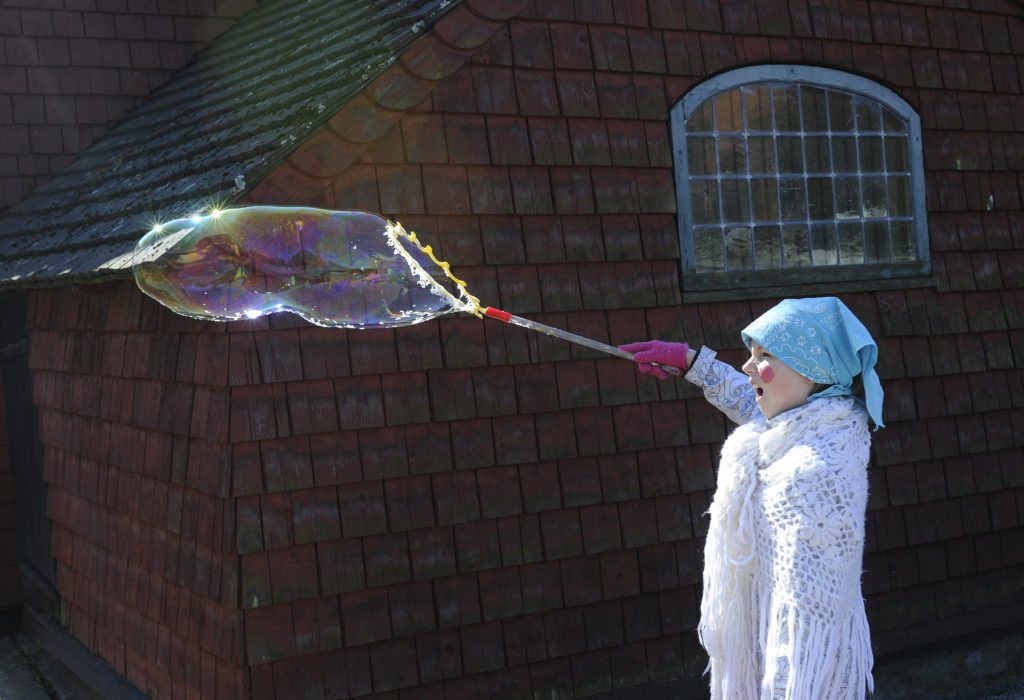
{"x":782,"y":614}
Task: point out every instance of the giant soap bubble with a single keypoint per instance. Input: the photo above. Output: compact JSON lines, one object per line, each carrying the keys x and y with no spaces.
{"x":345,"y":269}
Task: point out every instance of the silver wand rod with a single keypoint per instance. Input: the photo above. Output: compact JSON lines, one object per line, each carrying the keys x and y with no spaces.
{"x":566,"y":335}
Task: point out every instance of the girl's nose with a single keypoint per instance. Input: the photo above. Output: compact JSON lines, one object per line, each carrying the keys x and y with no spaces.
{"x":749,"y":367}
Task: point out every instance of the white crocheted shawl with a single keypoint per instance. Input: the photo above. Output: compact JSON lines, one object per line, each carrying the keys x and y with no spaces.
{"x":782,"y":614}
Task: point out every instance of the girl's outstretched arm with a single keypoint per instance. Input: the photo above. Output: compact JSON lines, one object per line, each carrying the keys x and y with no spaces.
{"x":725,"y":387}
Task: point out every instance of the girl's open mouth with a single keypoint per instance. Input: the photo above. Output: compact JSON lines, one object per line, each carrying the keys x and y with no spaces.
{"x":759,"y":391}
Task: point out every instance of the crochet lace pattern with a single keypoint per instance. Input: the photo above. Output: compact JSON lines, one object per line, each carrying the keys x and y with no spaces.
{"x":782,"y":614}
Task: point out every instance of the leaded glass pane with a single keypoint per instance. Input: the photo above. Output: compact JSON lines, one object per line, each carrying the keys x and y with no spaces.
{"x":902,"y":241}
{"x":851,"y":244}
{"x":871,"y":154}
{"x":703,"y":119}
{"x":868,"y":115}
{"x":735,"y":201}
{"x":875,"y":205}
{"x":793,"y":199}
{"x":896,"y":154}
{"x":707,"y":243}
{"x":729,"y":111}
{"x":819,"y":198}
{"x":823,"y":239}
{"x":701,"y":154}
{"x":814,"y":111}
{"x":704,"y":201}
{"x":798,"y":249}
{"x":844,"y":154}
{"x":738,"y":249}
{"x":818,"y":158}
{"x":767,"y":247}
{"x":764,"y":196}
{"x":787,"y":107}
{"x":876,"y":242}
{"x":840,"y":111}
{"x":847,"y":198}
{"x":732,"y":155}
{"x":892,"y":122}
{"x":759,"y":108}
{"x":791,"y":154}
{"x":899,"y":196}
{"x":761,"y":152}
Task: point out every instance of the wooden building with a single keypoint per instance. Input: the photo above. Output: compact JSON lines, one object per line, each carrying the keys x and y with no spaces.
{"x":462,"y":508}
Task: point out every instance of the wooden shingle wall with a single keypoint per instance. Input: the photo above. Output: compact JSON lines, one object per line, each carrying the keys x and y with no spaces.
{"x":69,"y":70}
{"x":543,"y":172}
{"x":133,"y":417}
{"x":465,"y":509}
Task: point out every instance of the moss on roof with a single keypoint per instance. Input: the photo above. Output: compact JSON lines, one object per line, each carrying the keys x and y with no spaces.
{"x":208,"y":135}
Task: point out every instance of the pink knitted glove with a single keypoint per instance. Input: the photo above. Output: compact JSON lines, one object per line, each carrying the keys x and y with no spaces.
{"x":659,"y":352}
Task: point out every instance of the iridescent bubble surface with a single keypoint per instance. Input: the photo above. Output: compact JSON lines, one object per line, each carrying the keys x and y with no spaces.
{"x":333,"y":268}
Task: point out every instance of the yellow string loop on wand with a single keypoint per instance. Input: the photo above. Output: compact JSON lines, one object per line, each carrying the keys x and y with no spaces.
{"x":464,"y":301}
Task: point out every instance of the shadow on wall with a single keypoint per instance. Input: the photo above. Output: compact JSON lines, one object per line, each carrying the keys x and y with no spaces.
{"x":979,"y":668}
{"x":984,"y":667}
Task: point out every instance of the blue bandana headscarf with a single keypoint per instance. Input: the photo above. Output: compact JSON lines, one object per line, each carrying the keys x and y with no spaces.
{"x":822,"y":340}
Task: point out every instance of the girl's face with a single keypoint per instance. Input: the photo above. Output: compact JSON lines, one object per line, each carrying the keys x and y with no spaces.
{"x":779,"y":388}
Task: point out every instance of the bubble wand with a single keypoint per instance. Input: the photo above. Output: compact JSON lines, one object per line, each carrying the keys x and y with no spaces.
{"x":343,"y":269}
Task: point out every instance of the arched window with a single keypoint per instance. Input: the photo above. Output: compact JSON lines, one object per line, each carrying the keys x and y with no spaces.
{"x":794,"y":178}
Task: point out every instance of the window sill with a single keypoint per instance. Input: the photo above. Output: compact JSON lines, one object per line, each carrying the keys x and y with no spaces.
{"x":802,"y":282}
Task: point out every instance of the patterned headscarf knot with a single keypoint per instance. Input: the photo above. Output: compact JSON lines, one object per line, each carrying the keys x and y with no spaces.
{"x":822,"y":340}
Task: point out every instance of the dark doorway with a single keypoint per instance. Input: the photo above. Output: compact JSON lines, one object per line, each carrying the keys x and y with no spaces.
{"x":35,"y":554}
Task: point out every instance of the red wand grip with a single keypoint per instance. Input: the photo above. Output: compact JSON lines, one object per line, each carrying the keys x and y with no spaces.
{"x":498,"y":314}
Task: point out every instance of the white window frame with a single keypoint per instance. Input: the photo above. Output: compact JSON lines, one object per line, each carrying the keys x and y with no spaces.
{"x":807,"y":279}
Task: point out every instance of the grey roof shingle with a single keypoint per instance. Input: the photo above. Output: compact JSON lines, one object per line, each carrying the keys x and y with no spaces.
{"x":210,"y":134}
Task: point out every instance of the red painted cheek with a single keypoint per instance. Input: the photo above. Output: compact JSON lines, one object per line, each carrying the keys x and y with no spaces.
{"x":767,"y":374}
